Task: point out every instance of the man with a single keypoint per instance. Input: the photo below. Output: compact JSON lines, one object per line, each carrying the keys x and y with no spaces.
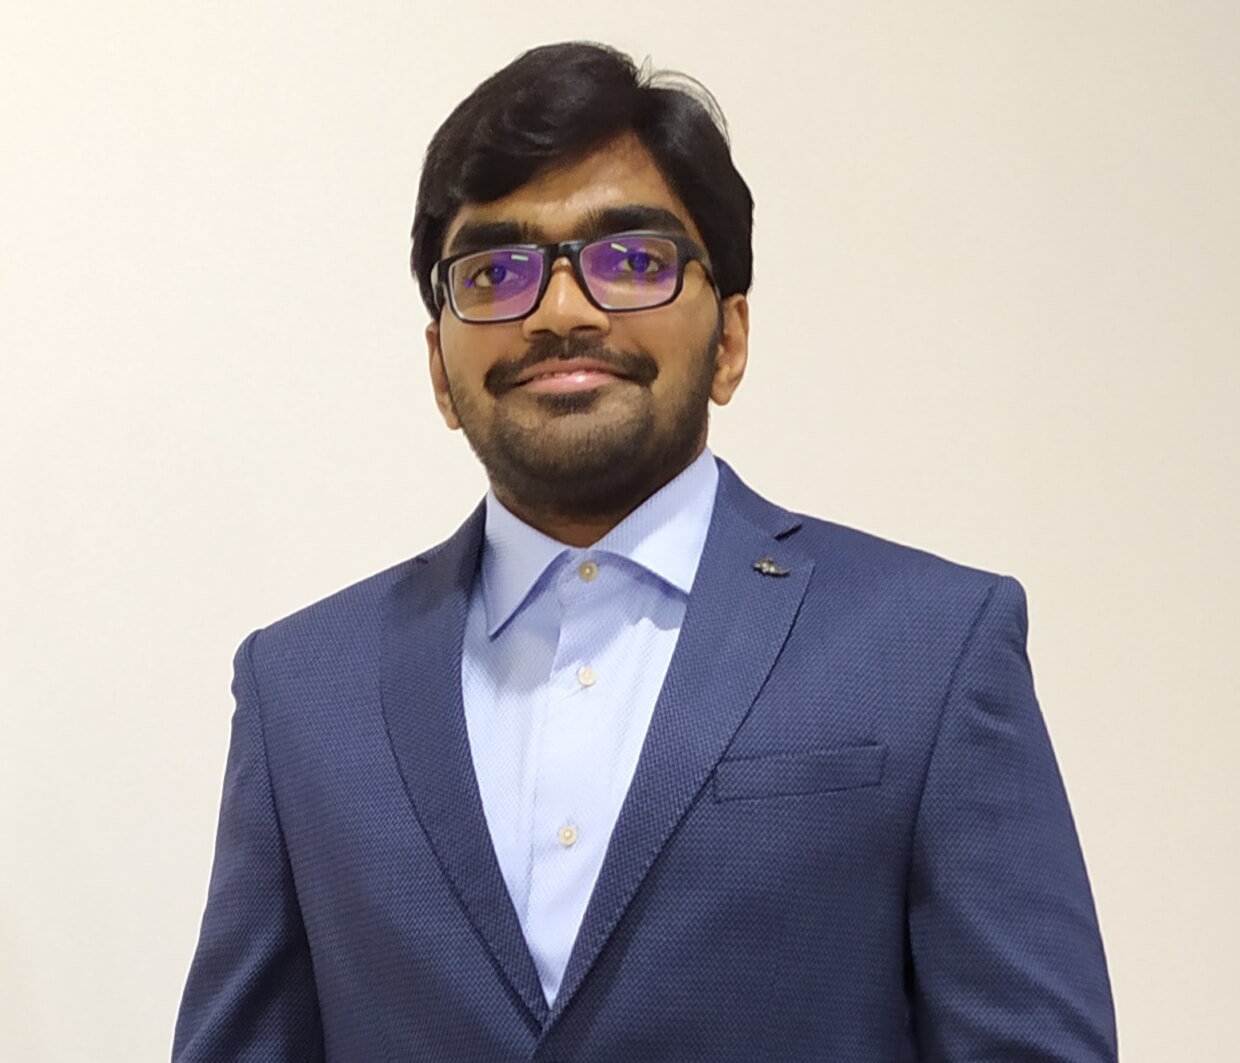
{"x":637,"y":766}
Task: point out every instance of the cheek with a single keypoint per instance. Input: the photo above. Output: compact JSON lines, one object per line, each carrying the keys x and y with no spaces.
{"x":673,"y":336}
{"x":469,"y":351}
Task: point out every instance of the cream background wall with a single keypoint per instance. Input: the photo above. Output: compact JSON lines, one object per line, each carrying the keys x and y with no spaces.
{"x":996,"y":314}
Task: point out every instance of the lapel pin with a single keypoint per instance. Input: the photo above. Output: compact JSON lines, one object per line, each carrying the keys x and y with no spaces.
{"x":767,"y":567}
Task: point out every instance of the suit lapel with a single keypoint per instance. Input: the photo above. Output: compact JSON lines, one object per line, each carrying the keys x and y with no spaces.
{"x":425,"y":715}
{"x":737,"y":620}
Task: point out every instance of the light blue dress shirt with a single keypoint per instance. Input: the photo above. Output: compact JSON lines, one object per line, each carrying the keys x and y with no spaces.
{"x":565,"y":652}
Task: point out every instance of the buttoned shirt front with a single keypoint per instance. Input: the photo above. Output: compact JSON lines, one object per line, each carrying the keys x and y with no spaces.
{"x":565,"y":652}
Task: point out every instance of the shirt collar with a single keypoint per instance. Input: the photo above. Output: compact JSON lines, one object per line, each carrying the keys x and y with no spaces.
{"x":664,"y":535}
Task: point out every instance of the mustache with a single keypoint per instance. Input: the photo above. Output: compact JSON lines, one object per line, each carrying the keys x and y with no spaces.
{"x":547,"y":347}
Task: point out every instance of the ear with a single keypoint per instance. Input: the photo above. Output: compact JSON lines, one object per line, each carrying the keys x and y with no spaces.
{"x":732,"y":354}
{"x":439,"y":377}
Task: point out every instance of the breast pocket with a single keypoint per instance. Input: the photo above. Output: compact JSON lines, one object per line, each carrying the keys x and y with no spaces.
{"x":789,"y":774}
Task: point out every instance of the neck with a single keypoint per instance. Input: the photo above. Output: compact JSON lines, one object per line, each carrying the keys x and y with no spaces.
{"x":564,"y":528}
{"x":572,"y":525}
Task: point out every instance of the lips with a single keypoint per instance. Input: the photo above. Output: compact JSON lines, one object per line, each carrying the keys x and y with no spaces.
{"x":562,"y":376}
{"x":570,"y":368}
{"x":567,"y":364}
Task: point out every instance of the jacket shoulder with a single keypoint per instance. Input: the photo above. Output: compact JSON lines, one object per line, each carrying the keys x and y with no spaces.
{"x":337,"y":630}
{"x":910,"y":588}
{"x":860,"y":557}
{"x":865,"y":552}
{"x":359,"y":608}
{"x":352,"y":604}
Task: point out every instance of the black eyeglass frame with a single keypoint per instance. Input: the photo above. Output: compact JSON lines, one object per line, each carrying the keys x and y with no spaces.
{"x":687,"y":250}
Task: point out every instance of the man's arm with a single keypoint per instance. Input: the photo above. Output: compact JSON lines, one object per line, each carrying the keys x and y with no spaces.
{"x":1007,"y":958}
{"x":250,"y":993}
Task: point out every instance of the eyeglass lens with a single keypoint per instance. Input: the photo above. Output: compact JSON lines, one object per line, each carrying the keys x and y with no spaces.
{"x":622,"y":273}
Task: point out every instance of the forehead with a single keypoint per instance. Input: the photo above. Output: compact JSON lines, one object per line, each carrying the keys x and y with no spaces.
{"x":556,"y":203}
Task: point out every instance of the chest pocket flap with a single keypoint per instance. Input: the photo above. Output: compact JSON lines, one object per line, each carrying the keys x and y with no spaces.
{"x":788,"y":774}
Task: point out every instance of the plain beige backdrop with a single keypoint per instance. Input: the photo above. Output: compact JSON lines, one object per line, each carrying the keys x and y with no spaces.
{"x":996,"y":315}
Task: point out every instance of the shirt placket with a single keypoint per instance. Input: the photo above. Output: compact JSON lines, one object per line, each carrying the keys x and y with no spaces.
{"x":568,"y":838}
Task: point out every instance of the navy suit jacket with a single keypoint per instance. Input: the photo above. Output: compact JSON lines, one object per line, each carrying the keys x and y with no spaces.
{"x":846,"y":840}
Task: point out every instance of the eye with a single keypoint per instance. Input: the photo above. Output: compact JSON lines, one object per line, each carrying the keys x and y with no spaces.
{"x":488,"y":277}
{"x":638,"y":261}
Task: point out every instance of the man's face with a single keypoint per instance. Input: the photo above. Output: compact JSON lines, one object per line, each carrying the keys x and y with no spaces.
{"x":631,"y":411}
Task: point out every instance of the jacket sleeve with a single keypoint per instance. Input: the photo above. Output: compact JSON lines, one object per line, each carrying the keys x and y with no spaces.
{"x":1007,"y":960}
{"x":250,"y":994}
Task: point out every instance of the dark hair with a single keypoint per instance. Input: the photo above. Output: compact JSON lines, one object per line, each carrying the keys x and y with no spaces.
{"x":558,"y":102}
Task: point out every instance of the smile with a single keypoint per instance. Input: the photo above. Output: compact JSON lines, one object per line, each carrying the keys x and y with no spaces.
{"x":567,"y":376}
{"x":581,"y":380}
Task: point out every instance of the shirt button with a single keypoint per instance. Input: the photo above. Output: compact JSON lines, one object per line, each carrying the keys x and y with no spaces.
{"x":588,"y":570}
{"x":586,"y":676}
{"x":567,"y":835}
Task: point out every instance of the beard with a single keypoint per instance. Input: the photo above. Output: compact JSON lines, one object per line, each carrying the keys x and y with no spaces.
{"x":590,"y":454}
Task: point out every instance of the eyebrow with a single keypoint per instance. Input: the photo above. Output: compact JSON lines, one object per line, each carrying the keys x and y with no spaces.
{"x":481,"y":235}
{"x":633,"y":216}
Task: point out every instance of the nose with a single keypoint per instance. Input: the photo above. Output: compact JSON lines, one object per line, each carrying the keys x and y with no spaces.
{"x":565,"y":308}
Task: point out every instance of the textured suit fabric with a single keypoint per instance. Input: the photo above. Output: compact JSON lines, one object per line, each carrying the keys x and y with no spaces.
{"x":846,"y":838}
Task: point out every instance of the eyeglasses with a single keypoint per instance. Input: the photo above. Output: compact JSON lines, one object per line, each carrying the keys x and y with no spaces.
{"x":620,"y":273}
